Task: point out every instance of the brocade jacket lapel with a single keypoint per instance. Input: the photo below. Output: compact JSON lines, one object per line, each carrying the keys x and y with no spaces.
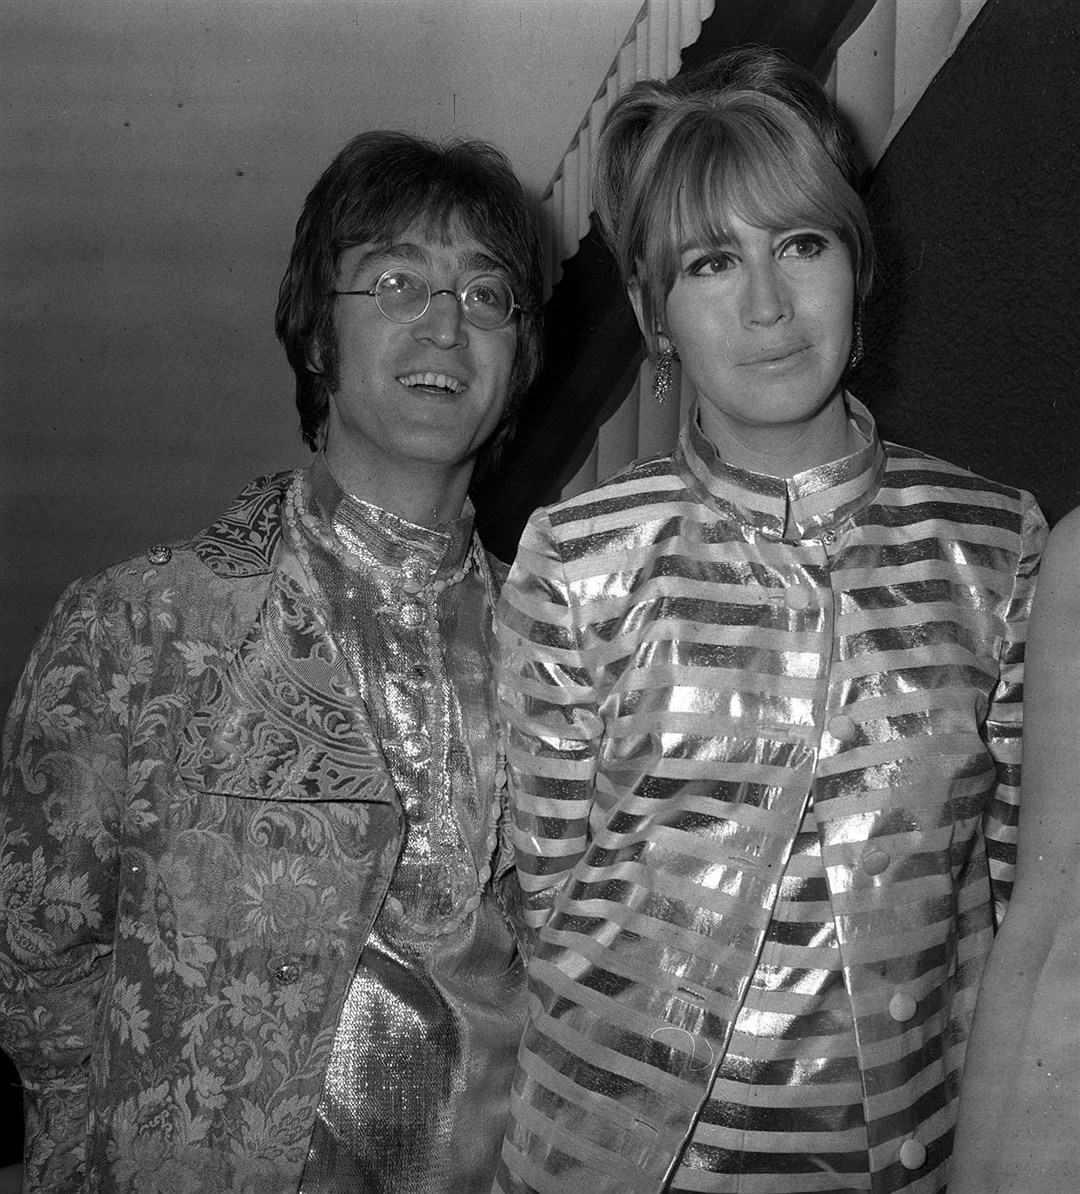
{"x":283,"y":722}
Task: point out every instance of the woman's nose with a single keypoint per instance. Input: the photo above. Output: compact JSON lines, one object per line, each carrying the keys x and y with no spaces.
{"x":766,"y":299}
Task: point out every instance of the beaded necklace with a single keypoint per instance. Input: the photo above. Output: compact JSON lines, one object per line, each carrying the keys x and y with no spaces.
{"x":421,"y":596}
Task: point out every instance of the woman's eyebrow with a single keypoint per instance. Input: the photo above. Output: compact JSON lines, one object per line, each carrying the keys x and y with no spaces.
{"x":706,"y":243}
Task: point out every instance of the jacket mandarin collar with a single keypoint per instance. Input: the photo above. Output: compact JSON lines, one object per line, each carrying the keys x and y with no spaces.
{"x":244,"y":541}
{"x":819,"y":498}
{"x":386,"y":539}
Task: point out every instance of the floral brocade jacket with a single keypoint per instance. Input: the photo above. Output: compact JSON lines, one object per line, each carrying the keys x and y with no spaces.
{"x":198,"y":830}
{"x":679,"y":680}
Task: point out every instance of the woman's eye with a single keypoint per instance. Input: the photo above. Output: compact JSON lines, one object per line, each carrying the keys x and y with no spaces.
{"x":714,"y":263}
{"x":808,"y":245}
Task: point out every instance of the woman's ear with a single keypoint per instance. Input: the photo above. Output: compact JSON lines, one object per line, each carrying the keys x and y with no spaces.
{"x":313,"y":355}
{"x":656,"y":341}
{"x":633,"y":292}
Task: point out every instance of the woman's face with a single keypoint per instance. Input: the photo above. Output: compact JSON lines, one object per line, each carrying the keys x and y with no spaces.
{"x":762,"y":325}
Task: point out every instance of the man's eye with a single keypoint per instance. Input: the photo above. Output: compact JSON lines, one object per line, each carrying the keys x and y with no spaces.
{"x":485,"y":296}
{"x":400,"y":282}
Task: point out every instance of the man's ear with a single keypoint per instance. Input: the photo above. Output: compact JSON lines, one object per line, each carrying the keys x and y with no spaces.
{"x":313,"y":355}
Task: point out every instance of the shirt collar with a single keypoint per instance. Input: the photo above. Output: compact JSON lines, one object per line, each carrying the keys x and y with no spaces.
{"x":819,"y":498}
{"x":386,"y":538}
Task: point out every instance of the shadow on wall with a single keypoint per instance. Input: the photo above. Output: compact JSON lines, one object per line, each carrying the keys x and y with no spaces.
{"x":969,"y":352}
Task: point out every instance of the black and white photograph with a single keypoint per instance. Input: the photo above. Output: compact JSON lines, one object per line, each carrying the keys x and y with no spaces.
{"x":540,"y":595}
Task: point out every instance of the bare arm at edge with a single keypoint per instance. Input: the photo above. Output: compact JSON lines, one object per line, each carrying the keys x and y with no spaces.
{"x":1020,"y":1097}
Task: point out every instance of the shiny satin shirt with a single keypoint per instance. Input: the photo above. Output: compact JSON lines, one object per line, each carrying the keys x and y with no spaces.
{"x":690,"y":698}
{"x":416,"y":1088}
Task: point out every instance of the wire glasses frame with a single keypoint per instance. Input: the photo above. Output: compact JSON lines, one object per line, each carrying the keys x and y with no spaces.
{"x":404,"y":295}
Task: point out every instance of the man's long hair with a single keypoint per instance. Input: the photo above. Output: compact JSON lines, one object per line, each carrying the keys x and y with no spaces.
{"x":378,"y":185}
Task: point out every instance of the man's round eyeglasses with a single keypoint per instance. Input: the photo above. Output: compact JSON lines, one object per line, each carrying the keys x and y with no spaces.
{"x":403,"y":295}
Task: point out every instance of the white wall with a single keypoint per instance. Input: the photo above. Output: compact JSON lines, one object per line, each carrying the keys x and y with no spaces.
{"x":155,"y":157}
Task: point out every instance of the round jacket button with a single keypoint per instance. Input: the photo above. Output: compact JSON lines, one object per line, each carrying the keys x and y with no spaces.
{"x":875,"y":862}
{"x":797,"y":597}
{"x":411,"y":615}
{"x":912,"y":1154}
{"x":419,"y":677}
{"x":902,"y":1007}
{"x":842,"y":727}
{"x":416,"y":746}
{"x":828,"y":538}
{"x":394,"y":906}
{"x":287,"y":972}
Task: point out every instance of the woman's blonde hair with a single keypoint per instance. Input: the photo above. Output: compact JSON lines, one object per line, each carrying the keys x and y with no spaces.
{"x":753,"y":136}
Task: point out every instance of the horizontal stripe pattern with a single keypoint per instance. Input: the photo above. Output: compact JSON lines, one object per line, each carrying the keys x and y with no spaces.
{"x":785,"y":1109}
{"x":676,"y":680}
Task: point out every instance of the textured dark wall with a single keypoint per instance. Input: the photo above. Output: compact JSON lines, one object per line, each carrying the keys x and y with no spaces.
{"x":971,"y":332}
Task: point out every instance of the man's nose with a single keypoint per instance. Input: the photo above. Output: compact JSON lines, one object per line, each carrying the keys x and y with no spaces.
{"x":444,"y":321}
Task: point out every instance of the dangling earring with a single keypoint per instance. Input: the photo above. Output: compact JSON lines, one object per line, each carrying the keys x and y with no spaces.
{"x":661,"y":385}
{"x":856,"y":344}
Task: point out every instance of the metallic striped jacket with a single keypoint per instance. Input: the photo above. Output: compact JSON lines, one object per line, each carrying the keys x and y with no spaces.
{"x":678,"y":682}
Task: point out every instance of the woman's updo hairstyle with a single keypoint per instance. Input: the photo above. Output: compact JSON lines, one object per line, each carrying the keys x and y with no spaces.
{"x":751,"y":134}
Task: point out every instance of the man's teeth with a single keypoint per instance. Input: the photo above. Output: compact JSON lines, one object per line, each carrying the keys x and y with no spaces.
{"x":439,"y":381}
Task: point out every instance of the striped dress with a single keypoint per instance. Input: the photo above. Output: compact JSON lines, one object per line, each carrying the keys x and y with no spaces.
{"x":765,"y":798}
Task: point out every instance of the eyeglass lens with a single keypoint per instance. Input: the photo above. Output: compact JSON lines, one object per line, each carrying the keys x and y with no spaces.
{"x":403,"y":295}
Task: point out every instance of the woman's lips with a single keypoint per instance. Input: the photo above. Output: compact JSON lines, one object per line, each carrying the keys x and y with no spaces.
{"x":777,"y":358}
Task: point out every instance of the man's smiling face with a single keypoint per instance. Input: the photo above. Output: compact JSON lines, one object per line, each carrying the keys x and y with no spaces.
{"x":420,"y":395}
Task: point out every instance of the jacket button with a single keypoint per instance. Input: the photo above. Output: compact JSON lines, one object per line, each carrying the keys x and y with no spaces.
{"x":411,"y":615}
{"x":417,"y":747}
{"x":395,"y":907}
{"x":875,"y":862}
{"x":159,"y":554}
{"x":842,"y":727}
{"x":797,"y":597}
{"x":902,"y":1007}
{"x":912,"y":1154}
{"x":419,"y":678}
{"x":287,"y":972}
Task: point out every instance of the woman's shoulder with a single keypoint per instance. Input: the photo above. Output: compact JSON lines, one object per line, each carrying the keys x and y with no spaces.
{"x":1057,"y":596}
{"x":923,"y":467}
{"x":640,"y":483}
{"x":913,"y":475}
{"x":1063,"y":545}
